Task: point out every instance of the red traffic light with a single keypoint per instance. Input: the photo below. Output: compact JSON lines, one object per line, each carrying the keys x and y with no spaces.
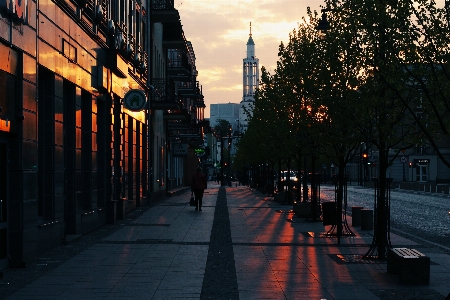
{"x":365,"y":157}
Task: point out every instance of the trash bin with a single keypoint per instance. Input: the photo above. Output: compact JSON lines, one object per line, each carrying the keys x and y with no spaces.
{"x":356,"y":215}
{"x":366,"y":219}
{"x":329,"y":213}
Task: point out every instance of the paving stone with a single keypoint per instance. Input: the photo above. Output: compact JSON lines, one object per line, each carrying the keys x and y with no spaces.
{"x":242,"y":245}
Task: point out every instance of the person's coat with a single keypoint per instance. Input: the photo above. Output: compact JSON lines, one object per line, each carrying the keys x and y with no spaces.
{"x":198,"y":181}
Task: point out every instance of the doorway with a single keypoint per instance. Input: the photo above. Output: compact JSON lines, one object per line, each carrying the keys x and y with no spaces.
{"x":422,"y":173}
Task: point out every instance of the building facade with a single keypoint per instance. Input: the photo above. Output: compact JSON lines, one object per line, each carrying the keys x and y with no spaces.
{"x":72,"y":155}
{"x":225,"y":111}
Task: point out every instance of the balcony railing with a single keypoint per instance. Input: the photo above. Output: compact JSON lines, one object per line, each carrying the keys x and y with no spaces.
{"x":162,"y":4}
{"x":199,"y":102}
{"x":163,"y":11}
{"x":189,"y":89}
{"x":178,"y":63}
{"x":163,"y":96}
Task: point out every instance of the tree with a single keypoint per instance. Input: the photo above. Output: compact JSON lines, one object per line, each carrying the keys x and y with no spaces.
{"x":323,"y":86}
{"x":374,"y":28}
{"x":222,"y":128}
{"x":426,"y":71}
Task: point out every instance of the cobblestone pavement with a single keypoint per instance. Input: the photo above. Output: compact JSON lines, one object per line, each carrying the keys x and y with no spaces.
{"x":422,"y":216}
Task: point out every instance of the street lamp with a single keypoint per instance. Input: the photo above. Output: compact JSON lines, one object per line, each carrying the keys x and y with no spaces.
{"x":225,"y":164}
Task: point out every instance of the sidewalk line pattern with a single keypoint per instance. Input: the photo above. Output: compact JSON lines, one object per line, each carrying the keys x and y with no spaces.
{"x":220,"y":280}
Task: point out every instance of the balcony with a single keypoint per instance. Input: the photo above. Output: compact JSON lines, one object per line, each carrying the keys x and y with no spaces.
{"x":163,"y":97}
{"x":178,"y":66}
{"x":189,"y":89}
{"x":163,"y":11}
{"x":176,"y":115}
{"x":177,"y":127}
{"x":173,"y":36}
{"x":199,"y":102}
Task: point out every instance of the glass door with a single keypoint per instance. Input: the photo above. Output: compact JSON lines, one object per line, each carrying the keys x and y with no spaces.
{"x":421,"y":173}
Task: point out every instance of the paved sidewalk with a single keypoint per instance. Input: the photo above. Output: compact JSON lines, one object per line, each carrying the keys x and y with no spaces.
{"x":255,"y":249}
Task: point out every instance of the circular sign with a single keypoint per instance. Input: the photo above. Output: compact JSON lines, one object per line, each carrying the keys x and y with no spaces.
{"x":135,"y":100}
{"x":403,"y":159}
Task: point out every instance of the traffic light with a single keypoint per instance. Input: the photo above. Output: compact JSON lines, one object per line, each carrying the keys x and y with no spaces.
{"x":365,"y":157}
{"x":410,"y":164}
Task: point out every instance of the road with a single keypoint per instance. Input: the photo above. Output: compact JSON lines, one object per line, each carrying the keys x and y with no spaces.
{"x":424,"y":216}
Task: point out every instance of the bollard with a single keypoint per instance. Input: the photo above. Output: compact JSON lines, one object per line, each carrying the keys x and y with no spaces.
{"x":356,"y":215}
{"x":366,"y":219}
{"x":111,"y":212}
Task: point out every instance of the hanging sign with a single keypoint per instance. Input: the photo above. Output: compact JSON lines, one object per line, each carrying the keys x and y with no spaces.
{"x":180,"y":149}
{"x":421,"y":161}
{"x":135,"y":100}
{"x":199,"y":151}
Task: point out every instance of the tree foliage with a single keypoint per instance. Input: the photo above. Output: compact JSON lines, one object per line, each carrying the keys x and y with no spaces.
{"x":222,"y":128}
{"x":381,"y":77}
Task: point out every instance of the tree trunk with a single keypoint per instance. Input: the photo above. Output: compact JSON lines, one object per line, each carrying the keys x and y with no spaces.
{"x":340,"y":197}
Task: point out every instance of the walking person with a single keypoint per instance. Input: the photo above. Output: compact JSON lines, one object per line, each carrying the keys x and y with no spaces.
{"x":198,"y":186}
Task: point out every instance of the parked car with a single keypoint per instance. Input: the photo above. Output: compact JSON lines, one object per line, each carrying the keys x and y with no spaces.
{"x":292,"y":176}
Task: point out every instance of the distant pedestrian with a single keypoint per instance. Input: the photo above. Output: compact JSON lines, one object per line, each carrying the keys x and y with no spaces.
{"x":198,"y":186}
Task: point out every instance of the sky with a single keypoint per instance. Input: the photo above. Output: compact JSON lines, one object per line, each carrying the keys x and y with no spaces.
{"x":219,"y":31}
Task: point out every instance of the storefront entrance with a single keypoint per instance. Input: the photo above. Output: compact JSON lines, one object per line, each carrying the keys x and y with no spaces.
{"x":422,"y":173}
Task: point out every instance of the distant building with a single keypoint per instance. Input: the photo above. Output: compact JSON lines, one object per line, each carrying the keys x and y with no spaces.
{"x":250,"y":82}
{"x":225,"y":111}
{"x":233,"y":112}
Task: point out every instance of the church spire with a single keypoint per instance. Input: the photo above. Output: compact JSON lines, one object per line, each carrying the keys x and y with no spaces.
{"x":250,"y":44}
{"x":250,"y":82}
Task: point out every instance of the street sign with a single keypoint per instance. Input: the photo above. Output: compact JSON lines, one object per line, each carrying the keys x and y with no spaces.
{"x":404,"y":159}
{"x":135,"y":100}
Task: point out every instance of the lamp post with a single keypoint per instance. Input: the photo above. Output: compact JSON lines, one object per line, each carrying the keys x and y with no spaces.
{"x":222,"y":165}
{"x":229,"y":161}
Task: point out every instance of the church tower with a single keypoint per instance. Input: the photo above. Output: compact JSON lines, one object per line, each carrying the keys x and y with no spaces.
{"x":250,"y":81}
